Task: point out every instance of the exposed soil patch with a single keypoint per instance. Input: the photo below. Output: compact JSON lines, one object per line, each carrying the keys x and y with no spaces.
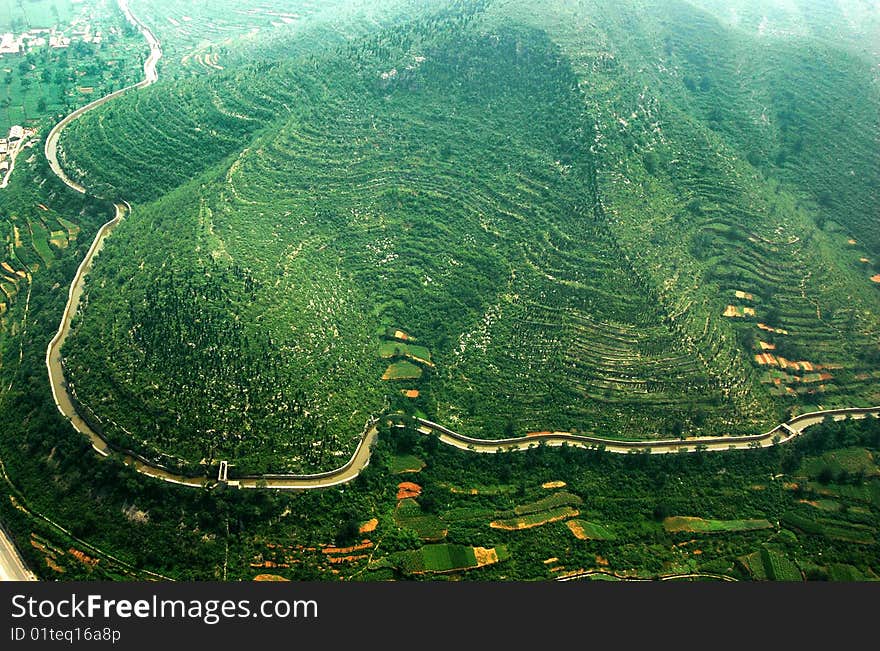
{"x":369,"y":526}
{"x":365,"y":544}
{"x":575,"y":527}
{"x":485,"y":556}
{"x":407,"y":489}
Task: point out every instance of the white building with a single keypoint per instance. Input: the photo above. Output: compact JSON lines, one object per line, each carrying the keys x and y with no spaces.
{"x":8,"y":44}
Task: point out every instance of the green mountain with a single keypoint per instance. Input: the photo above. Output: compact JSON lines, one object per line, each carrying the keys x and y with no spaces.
{"x":636,"y":220}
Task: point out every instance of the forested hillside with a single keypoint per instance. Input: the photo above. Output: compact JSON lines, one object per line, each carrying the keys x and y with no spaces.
{"x":633,"y":221}
{"x":641,"y":219}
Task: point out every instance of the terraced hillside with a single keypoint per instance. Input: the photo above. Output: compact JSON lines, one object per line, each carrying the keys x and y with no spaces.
{"x":743,"y":174}
{"x":203,"y":37}
{"x":510,"y":221}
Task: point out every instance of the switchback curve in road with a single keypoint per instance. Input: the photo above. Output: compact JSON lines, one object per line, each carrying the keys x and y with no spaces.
{"x":151,"y":75}
{"x":361,"y":457}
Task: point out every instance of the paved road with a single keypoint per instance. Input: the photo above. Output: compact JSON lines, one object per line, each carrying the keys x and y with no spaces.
{"x":361,"y":457}
{"x":150,"y":76}
{"x":779,"y":434}
{"x":12,"y":568}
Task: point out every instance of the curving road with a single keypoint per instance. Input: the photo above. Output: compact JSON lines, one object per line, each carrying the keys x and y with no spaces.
{"x":150,"y":76}
{"x":780,"y":434}
{"x":361,"y":457}
{"x":12,"y":568}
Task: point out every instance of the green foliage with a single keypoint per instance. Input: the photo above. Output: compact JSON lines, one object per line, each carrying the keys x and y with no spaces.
{"x":558,"y":201}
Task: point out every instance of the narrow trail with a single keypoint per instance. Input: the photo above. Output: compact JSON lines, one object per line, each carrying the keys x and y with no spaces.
{"x":65,"y":401}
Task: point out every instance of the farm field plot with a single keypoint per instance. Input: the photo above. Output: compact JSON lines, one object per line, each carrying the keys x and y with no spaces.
{"x":699,"y":525}
{"x":535,"y":519}
{"x":585,"y":530}
{"x":407,"y":463}
{"x":850,"y":460}
{"x":449,"y":558}
{"x":427,"y":526}
{"x":771,"y":565}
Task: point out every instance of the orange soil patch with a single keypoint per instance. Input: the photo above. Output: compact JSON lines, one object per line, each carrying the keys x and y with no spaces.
{"x":542,"y":433}
{"x":366,"y":544}
{"x":697,"y":552}
{"x":42,"y":207}
{"x":851,"y":241}
{"x":875,"y":278}
{"x":745,"y":295}
{"x":576,"y":528}
{"x":757,"y":487}
{"x":348,"y":559}
{"x":407,"y":489}
{"x":766,"y":346}
{"x":6,"y":266}
{"x":521,"y":524}
{"x":485,"y":556}
{"x":53,"y":565}
{"x":558,"y":568}
{"x":810,"y":502}
{"x":269,"y":577}
{"x":83,"y":558}
{"x":766,"y":359}
{"x":369,"y":526}
{"x":270,"y":564}
{"x":550,"y":560}
{"x":400,"y":334}
{"x":790,"y":486}
{"x":780,"y":331}
{"x":553,"y":484}
{"x":601,"y":561}
{"x":865,"y":260}
{"x":807,"y":366}
{"x":749,"y":311}
{"x":410,"y":393}
{"x":731,"y":310}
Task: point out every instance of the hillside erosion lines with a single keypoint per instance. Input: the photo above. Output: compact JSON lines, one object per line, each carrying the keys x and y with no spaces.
{"x":553,"y":262}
